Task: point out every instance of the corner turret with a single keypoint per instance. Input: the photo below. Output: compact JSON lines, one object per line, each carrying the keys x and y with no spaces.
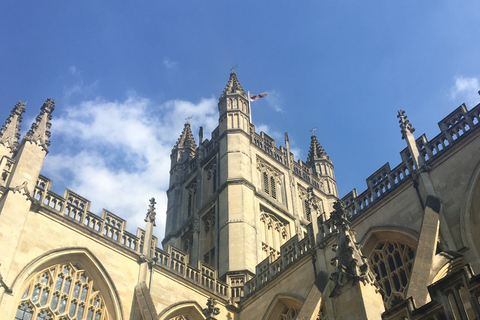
{"x":233,"y":107}
{"x":9,"y":134}
{"x":322,"y":165}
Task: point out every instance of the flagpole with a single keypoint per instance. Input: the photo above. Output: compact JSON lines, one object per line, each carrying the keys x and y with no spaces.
{"x":250,"y":107}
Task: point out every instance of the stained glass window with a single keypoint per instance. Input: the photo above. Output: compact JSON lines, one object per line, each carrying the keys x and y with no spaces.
{"x":62,"y":292}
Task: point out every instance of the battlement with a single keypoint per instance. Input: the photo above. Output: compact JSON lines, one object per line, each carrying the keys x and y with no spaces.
{"x":454,"y":127}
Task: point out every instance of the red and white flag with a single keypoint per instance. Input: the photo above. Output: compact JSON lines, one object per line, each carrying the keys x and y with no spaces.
{"x":255,"y":97}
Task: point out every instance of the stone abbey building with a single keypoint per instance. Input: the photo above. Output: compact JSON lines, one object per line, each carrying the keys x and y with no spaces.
{"x":251,"y":232}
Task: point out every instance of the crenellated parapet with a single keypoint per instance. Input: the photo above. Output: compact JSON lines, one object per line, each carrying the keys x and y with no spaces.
{"x":454,"y":127}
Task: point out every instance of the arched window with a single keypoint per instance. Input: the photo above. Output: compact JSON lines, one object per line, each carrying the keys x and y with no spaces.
{"x":392,"y":263}
{"x":289,"y":313}
{"x":67,"y":290}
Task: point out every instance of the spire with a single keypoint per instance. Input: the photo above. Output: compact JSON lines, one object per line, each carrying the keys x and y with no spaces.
{"x":233,"y":86}
{"x":9,"y":134}
{"x":316,"y":151}
{"x":39,"y":133}
{"x":186,"y":139}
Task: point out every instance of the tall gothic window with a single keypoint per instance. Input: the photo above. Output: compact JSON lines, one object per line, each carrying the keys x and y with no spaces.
{"x":191,"y":195}
{"x":62,"y":292}
{"x":273,"y":187}
{"x":266,"y":187}
{"x":208,"y":247}
{"x":211,"y":170}
{"x":274,"y":234}
{"x":271,"y":181}
{"x":307,"y":210}
{"x":392,"y":263}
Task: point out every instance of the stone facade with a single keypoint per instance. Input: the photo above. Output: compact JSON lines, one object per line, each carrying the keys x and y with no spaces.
{"x":251,"y":233}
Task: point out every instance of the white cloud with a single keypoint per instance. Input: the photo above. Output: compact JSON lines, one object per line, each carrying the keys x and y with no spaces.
{"x":169,"y":64}
{"x":73,"y":70}
{"x":274,"y":100}
{"x":117,"y":154}
{"x":466,"y":89}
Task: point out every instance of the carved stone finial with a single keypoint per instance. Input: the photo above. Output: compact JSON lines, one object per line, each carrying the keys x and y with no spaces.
{"x":210,"y":311}
{"x":151,"y":212}
{"x":39,"y":132}
{"x":405,"y":124}
{"x":9,"y":134}
{"x":350,"y":264}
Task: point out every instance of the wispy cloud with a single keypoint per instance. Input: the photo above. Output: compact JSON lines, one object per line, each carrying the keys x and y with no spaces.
{"x":466,"y":89}
{"x":169,"y":64}
{"x":78,"y":87}
{"x":274,"y":100}
{"x":117,"y":154}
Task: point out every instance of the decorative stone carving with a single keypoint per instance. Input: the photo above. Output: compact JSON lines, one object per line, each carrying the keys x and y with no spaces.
{"x":350,"y":264}
{"x":151,"y":212}
{"x":23,"y":189}
{"x":196,"y":225}
{"x":210,"y":311}
{"x":39,"y":132}
{"x":9,"y":134}
{"x":405,"y":124}
{"x":209,"y":222}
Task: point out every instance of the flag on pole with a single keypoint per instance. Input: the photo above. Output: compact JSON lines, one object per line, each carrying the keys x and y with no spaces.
{"x":255,"y":97}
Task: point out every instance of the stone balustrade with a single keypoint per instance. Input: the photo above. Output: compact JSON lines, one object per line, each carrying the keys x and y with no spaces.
{"x":453,"y":128}
{"x":270,"y":268}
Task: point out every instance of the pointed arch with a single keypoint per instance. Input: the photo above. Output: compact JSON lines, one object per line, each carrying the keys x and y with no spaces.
{"x":391,"y":252}
{"x":78,"y":256}
{"x":284,"y":306}
{"x":470,"y":212}
{"x":189,"y":310}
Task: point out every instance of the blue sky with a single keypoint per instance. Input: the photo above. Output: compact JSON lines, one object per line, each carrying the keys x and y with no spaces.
{"x":126,"y":74}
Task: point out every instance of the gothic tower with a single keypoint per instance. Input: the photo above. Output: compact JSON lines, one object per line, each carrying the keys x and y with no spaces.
{"x":234,"y":200}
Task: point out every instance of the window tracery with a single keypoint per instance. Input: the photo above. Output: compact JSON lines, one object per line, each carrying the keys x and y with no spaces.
{"x":209,"y":238}
{"x":62,"y":292}
{"x":289,"y":313}
{"x":274,"y":234}
{"x":392,"y":263}
{"x":212,"y":176}
{"x":191,"y":191}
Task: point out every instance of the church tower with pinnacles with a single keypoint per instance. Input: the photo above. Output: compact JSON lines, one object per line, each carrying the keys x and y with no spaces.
{"x":251,"y":232}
